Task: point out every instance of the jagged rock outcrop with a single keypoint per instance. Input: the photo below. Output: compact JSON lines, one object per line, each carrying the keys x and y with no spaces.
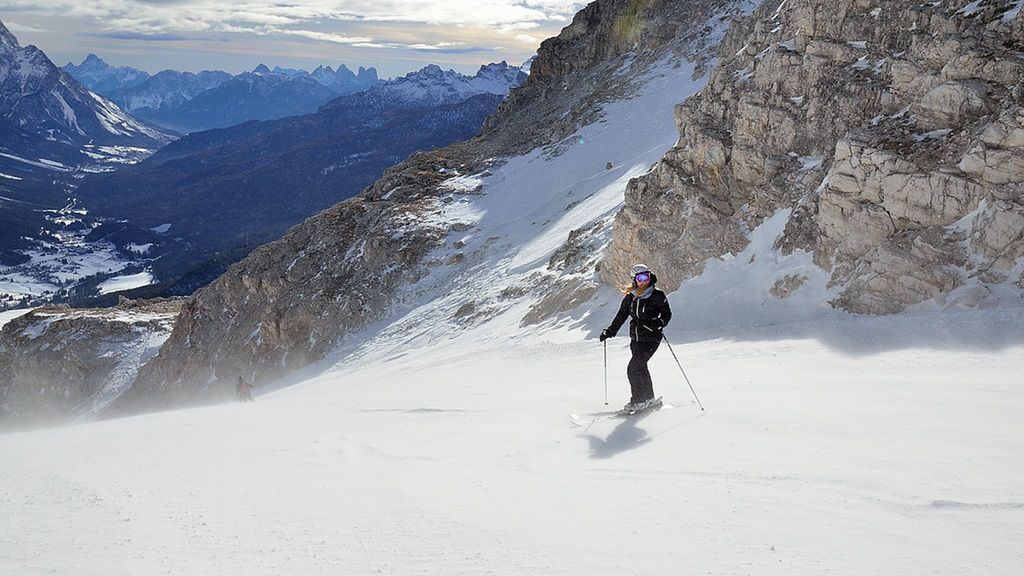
{"x":58,"y":363}
{"x":581,"y":68}
{"x":291,"y":301}
{"x":891,"y":130}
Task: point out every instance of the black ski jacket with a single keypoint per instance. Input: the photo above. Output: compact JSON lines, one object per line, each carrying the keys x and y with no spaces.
{"x":648,"y":316}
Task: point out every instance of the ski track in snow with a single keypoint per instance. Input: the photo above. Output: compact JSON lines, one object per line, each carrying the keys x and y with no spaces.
{"x":461,"y":462}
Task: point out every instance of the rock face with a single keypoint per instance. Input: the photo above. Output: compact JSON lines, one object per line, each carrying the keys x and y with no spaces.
{"x":579,"y":69}
{"x":892,"y":131}
{"x":290,"y":302}
{"x":58,"y":363}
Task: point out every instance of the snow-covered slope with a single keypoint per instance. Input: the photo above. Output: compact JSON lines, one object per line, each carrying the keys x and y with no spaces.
{"x":813,"y":457}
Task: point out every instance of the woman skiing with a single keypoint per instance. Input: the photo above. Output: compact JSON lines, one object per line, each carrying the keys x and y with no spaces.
{"x":649,"y":312}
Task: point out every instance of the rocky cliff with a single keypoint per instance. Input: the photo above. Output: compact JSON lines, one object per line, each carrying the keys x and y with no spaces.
{"x":292,"y":301}
{"x":891,"y":131}
{"x":58,"y":363}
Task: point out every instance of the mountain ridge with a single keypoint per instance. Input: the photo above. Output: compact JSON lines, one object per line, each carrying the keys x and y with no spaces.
{"x":206,"y":185}
{"x":190,"y":102}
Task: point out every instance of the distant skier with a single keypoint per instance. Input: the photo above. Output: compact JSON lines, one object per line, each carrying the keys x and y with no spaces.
{"x":243,"y":390}
{"x":649,"y":312}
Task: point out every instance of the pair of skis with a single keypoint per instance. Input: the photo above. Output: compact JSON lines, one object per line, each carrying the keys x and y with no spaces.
{"x":587,"y":420}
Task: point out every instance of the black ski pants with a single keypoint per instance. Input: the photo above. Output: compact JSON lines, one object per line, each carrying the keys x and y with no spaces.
{"x":640,"y":382}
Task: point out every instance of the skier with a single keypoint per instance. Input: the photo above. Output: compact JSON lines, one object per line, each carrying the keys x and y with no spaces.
{"x":649,"y":312}
{"x":243,"y":390}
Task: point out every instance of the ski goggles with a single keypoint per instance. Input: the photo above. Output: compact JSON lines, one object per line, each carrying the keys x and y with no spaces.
{"x":642,"y":277}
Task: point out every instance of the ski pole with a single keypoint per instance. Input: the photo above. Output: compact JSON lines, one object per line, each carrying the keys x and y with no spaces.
{"x":683,"y":371}
{"x":605,"y":342}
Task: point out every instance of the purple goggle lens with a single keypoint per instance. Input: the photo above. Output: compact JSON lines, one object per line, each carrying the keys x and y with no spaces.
{"x":642,"y":277}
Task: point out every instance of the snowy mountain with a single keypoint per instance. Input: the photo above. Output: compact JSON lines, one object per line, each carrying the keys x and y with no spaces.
{"x":513,"y":221}
{"x":43,"y":106}
{"x":220,"y":203}
{"x":257,"y":95}
{"x":166,"y":91}
{"x":431,"y":86}
{"x":520,"y":220}
{"x":222,"y":100}
{"x":102,"y":78}
{"x":193,"y":103}
{"x":343,"y":80}
{"x":888,"y":141}
{"x":51,"y":131}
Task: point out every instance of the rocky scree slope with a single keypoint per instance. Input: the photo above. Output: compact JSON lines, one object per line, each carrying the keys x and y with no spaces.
{"x":58,"y":363}
{"x":292,"y":301}
{"x":892,"y":131}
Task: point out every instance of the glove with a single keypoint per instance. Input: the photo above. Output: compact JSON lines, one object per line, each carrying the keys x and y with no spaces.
{"x":604,"y":335}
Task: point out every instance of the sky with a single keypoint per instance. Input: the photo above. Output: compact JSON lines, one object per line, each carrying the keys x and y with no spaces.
{"x":394,"y":36}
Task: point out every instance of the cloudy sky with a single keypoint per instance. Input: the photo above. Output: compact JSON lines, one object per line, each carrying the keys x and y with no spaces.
{"x":395,"y":36}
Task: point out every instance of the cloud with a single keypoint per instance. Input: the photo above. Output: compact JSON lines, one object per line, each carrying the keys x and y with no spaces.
{"x":449,"y":48}
{"x":326,"y":36}
{"x":16,"y":27}
{"x":390,"y":34}
{"x":139,"y":36}
{"x":151,"y":17}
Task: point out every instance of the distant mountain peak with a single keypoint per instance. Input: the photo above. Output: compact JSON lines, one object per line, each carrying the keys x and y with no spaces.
{"x":432,"y":86}
{"x":100,"y":77}
{"x":262,"y":69}
{"x":430,"y":70}
{"x":50,"y":107}
{"x":495,"y":65}
{"x":367,"y":74}
{"x":7,"y":40}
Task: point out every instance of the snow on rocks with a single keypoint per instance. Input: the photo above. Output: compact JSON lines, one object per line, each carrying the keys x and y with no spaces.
{"x":58,"y":363}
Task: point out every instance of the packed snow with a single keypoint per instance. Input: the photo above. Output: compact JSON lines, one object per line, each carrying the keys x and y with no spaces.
{"x":1012,"y":12}
{"x":40,"y":163}
{"x":970,"y":9}
{"x":8,"y":315}
{"x":140,"y":249}
{"x":822,"y":454}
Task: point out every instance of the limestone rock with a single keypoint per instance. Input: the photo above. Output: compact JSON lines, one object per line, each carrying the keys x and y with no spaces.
{"x":58,"y":363}
{"x":911,"y":113}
